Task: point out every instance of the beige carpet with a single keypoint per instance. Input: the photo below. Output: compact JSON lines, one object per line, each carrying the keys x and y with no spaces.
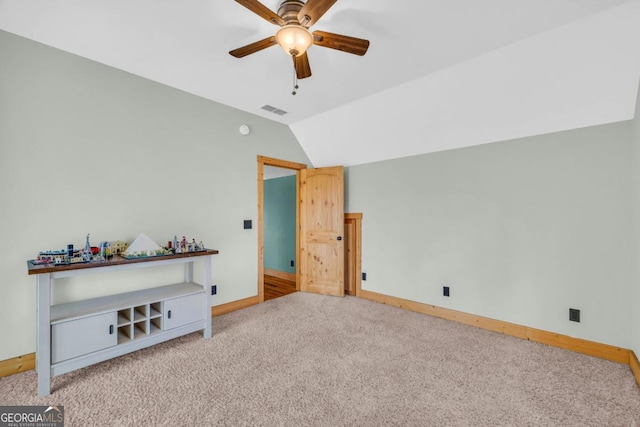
{"x":310,"y":360}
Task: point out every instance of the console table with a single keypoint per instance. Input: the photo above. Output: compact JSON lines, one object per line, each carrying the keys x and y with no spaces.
{"x":73,"y":335}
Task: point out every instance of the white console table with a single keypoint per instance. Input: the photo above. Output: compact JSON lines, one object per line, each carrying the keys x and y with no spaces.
{"x":73,"y":335}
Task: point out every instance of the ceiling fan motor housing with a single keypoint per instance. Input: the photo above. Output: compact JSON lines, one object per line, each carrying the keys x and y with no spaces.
{"x":289,"y":10}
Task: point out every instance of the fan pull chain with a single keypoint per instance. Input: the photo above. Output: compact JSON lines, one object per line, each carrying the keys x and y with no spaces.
{"x":295,"y":80}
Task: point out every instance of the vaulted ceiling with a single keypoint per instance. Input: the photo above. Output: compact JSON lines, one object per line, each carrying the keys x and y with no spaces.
{"x":438,"y":74}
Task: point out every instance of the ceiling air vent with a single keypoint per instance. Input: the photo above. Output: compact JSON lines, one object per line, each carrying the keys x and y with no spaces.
{"x":274,"y":110}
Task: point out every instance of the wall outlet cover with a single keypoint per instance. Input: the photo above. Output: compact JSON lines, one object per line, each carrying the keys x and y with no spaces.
{"x":445,"y":291}
{"x":574,"y":315}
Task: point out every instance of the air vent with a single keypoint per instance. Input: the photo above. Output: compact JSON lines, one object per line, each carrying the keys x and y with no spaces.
{"x":274,"y":110}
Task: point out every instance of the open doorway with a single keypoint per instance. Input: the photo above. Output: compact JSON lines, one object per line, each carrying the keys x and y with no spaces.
{"x":278,"y":225}
{"x":322,"y":232}
{"x":279,"y":232}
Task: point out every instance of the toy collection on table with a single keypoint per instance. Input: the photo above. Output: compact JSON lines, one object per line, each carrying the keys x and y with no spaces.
{"x":141,"y":247}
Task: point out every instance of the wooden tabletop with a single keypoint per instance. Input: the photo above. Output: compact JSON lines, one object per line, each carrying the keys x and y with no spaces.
{"x":114,"y":260}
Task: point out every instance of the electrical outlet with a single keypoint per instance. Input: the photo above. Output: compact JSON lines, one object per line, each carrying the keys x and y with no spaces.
{"x":574,"y":315}
{"x":247,"y":224}
{"x":364,"y":276}
{"x":445,"y":291}
{"x":293,"y":264}
{"x":214,"y":289}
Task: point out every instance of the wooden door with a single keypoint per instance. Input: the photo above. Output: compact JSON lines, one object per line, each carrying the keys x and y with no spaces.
{"x":321,"y":259}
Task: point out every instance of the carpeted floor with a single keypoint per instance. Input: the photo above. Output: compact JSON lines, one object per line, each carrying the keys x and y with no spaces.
{"x":311,"y":360}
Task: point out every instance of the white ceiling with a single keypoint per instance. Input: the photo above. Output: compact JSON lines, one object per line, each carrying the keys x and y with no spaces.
{"x":441,"y":64}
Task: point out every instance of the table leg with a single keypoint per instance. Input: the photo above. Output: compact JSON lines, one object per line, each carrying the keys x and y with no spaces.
{"x":43,"y":325}
{"x":206,"y":278}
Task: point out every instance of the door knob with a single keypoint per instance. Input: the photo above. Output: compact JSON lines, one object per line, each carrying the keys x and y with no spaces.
{"x":339,"y":238}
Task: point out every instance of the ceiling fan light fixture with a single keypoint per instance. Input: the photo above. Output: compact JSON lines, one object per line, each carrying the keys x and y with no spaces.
{"x":294,"y":39}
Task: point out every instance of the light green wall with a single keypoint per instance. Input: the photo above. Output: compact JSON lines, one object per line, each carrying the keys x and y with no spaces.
{"x":280,"y":223}
{"x":85,"y":148}
{"x":520,"y":230}
{"x":635,"y":295}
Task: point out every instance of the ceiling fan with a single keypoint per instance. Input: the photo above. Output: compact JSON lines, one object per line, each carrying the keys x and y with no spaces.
{"x":294,"y":18}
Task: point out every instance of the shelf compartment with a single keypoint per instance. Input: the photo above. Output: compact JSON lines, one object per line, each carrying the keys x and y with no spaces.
{"x":140,"y":312}
{"x":155,"y":310}
{"x":156,"y":323}
{"x":124,"y":317}
{"x":122,"y":337}
{"x":155,"y":326}
{"x":140,"y":328}
{"x":124,"y":333}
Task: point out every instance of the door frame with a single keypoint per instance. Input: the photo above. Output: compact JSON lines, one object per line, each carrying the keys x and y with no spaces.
{"x":285,"y":164}
{"x":353,"y":254}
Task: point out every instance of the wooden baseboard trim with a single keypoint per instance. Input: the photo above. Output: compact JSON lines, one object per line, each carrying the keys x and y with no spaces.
{"x":221,"y":309}
{"x":634,"y":364}
{"x":591,"y":348}
{"x":18,"y":364}
{"x":280,"y":274}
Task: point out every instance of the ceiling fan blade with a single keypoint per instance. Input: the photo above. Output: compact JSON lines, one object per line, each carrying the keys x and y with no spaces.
{"x":253,"y":47}
{"x":261,"y":10}
{"x":338,"y":41}
{"x":301,"y":63}
{"x":313,"y":10}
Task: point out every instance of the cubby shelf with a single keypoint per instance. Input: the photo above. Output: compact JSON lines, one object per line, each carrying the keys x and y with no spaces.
{"x":147,"y":320}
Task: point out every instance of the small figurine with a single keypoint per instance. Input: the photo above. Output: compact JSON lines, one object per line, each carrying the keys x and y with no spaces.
{"x":182,"y":246}
{"x":117,"y":247}
{"x":104,"y":250}
{"x":87,"y":255}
